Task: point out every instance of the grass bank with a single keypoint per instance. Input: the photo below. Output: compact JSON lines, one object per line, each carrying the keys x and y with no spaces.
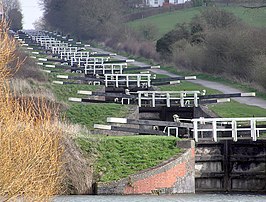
{"x":86,"y":114}
{"x":119,"y":157}
{"x":166,"y":22}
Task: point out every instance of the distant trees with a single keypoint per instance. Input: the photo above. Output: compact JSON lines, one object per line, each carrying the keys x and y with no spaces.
{"x":132,"y":3}
{"x":12,"y":9}
{"x":15,"y":18}
{"x":88,"y":19}
{"x":217,"y":42}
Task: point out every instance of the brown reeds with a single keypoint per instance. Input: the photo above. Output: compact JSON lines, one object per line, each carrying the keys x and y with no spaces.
{"x":30,"y":139}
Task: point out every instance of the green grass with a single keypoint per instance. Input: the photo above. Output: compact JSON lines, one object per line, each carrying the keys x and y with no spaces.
{"x":63,"y":92}
{"x":188,"y":86}
{"x":237,"y":110}
{"x":90,"y":114}
{"x":119,"y":157}
{"x":85,"y":114}
{"x":167,"y":21}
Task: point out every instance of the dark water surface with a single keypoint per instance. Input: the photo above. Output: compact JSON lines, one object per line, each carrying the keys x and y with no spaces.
{"x":167,"y":198}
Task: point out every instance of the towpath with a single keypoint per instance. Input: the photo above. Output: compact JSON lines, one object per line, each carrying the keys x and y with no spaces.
{"x":254,"y":101}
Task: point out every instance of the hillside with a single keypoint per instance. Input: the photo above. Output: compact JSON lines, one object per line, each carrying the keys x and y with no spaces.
{"x":167,"y":21}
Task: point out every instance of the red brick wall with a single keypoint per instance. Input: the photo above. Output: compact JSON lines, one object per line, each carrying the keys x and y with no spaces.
{"x":166,"y":179}
{"x":177,"y":175}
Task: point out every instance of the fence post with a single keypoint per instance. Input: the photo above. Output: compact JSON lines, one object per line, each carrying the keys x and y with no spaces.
{"x":234,"y":130}
{"x":195,"y":130}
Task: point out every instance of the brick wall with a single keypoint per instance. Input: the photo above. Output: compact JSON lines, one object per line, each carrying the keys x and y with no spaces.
{"x":176,"y":175}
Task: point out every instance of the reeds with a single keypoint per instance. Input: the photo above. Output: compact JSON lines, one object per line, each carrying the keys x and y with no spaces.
{"x":30,"y":138}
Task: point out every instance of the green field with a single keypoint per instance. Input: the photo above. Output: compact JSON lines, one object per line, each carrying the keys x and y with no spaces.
{"x":119,"y":157}
{"x":166,"y":22}
{"x":234,"y":109}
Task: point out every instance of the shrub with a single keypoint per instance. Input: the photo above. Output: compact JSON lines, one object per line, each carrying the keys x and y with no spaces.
{"x":164,"y":44}
{"x":148,"y":31}
{"x":260,"y":70}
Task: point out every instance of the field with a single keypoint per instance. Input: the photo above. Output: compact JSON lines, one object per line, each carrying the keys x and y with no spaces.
{"x":166,"y":22}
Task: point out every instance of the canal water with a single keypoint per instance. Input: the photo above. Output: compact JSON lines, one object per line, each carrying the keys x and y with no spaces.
{"x":167,"y":198}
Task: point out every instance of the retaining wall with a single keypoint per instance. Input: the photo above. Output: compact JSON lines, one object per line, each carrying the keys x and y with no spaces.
{"x":174,"y":176}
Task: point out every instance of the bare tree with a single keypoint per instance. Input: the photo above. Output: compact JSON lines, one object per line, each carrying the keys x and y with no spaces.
{"x":12,"y":11}
{"x":83,"y":18}
{"x":9,"y":5}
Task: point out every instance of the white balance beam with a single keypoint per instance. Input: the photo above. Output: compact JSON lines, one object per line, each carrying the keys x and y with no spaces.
{"x":62,"y":77}
{"x":103,"y":127}
{"x":84,"y":92}
{"x":58,"y":82}
{"x":116,"y":120}
{"x":74,"y":99}
{"x":253,"y":94}
{"x":190,"y":77}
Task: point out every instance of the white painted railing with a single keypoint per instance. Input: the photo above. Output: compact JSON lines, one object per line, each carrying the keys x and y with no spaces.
{"x":127,"y":80}
{"x":62,"y":48}
{"x":180,"y":98}
{"x":72,"y":52}
{"x":112,"y":68}
{"x":84,"y":61}
{"x":214,"y":127}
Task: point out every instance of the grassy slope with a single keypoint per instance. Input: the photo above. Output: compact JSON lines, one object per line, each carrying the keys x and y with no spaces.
{"x":234,"y":109}
{"x":166,"y":22}
{"x":119,"y":157}
{"x":84,"y":114}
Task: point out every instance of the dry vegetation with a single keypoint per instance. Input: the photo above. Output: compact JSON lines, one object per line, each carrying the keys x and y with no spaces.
{"x":30,"y":138}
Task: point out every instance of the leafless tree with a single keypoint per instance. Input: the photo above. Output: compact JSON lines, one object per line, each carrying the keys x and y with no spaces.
{"x":12,"y":11}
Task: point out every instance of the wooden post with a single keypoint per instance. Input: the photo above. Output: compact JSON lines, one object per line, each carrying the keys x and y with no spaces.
{"x":139,"y":99}
{"x":127,"y":78}
{"x":149,"y":80}
{"x":138,"y":80}
{"x":117,"y":81}
{"x":153,"y":100}
{"x":168,"y":100}
{"x":182,"y":103}
{"x":214,"y":131}
{"x":195,"y":130}
{"x":234,"y":130}
{"x":253,"y":129}
{"x":196,"y":100}
{"x":106,"y":80}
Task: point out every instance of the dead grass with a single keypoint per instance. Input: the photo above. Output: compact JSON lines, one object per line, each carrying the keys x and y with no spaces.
{"x":30,"y":138}
{"x":31,"y":88}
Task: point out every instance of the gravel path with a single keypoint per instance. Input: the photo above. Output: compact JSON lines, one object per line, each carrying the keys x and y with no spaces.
{"x":254,"y":101}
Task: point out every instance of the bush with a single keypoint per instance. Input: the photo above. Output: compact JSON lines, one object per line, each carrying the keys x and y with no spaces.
{"x":260,"y":70}
{"x":216,"y":18}
{"x":148,"y":31}
{"x":218,"y":43}
{"x":164,"y":44}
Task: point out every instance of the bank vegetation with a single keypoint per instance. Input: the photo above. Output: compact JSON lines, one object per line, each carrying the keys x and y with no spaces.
{"x":38,"y":156}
